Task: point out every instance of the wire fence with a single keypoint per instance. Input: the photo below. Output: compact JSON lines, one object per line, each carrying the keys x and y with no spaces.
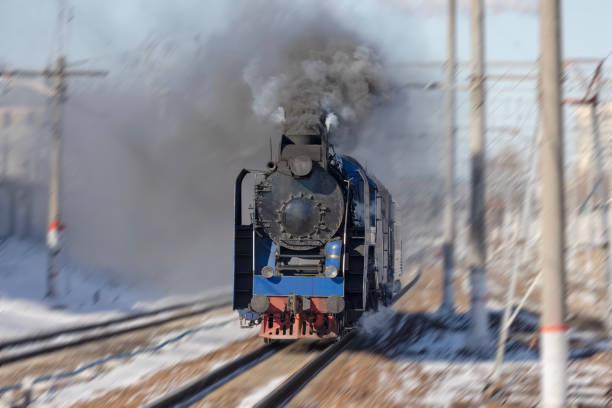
{"x":511,"y":135}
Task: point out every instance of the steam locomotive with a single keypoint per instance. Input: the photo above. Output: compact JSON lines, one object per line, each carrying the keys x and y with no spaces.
{"x":321,"y":245}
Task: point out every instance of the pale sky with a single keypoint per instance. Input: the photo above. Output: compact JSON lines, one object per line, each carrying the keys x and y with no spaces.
{"x":102,"y":31}
{"x":402,"y":30}
{"x":409,"y":29}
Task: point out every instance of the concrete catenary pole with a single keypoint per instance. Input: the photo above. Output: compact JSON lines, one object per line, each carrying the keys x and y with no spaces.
{"x":448,"y":248}
{"x":520,"y":244}
{"x":55,"y":226}
{"x":478,"y":336}
{"x":57,"y":99}
{"x":553,"y":335}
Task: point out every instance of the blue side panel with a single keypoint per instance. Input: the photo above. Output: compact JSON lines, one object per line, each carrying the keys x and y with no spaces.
{"x":300,"y":285}
{"x":265,"y":250}
{"x":351,"y":166}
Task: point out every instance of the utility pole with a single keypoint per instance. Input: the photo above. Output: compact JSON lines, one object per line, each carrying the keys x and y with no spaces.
{"x":520,"y":246}
{"x":478,"y":336}
{"x":553,"y":332}
{"x":448,"y":248}
{"x":57,"y":99}
{"x":55,"y":225}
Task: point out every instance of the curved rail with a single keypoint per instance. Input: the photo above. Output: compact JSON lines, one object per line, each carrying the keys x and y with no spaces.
{"x":32,"y":338}
{"x":409,"y":286}
{"x":285,"y":392}
{"x":292,"y":385}
{"x":49,"y":348}
{"x":201,"y":386}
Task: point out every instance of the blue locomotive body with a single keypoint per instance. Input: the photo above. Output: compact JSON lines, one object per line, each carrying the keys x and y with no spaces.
{"x":319,"y":247}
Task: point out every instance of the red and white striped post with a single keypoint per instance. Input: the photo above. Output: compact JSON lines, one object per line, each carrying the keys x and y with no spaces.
{"x":553,"y":336}
{"x":54,"y":242}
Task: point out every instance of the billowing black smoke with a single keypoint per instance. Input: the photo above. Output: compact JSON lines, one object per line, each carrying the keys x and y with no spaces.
{"x":323,"y":75}
{"x":152,"y":151}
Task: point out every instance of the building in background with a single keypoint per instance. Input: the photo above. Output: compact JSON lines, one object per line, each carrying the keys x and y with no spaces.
{"x":589,"y":229}
{"x":24,"y":164}
{"x":586,"y":171}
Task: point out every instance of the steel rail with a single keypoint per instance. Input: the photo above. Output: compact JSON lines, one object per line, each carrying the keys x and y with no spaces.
{"x":285,"y":392}
{"x":197,"y":389}
{"x":409,"y":286}
{"x":49,"y":348}
{"x":32,"y":338}
{"x":282,"y":394}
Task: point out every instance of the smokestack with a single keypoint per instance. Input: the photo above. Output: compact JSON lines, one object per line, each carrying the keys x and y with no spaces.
{"x":305,"y":136}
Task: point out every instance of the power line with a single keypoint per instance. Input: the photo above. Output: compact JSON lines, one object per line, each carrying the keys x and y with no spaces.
{"x":57,"y":98}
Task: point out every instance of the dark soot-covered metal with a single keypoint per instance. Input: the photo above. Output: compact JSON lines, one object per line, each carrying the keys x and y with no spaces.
{"x":300,"y":213}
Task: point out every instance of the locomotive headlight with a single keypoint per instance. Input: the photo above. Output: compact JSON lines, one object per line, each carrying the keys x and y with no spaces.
{"x":331,"y":271}
{"x":267,"y":271}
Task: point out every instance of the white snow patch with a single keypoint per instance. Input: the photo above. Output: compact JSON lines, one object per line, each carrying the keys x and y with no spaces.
{"x":223,"y":292}
{"x":260,"y":393}
{"x":136,"y":369}
{"x":438,"y":344}
{"x":82,"y":297}
{"x":409,"y":383}
{"x":375,"y":324}
{"x":454,"y":380}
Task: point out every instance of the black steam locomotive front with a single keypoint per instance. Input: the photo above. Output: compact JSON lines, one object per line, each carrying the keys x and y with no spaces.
{"x":299,"y":204}
{"x":319,"y":248}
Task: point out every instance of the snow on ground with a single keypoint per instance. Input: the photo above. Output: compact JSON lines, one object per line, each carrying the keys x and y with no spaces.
{"x":435,"y":367}
{"x":258,"y":395}
{"x":82,"y":297}
{"x":465,"y":381}
{"x":64,"y":338}
{"x":213,"y":333}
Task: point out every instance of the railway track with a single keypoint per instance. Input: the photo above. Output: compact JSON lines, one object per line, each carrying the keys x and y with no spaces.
{"x":198,"y":389}
{"x":201,"y":386}
{"x":292,"y":385}
{"x":19,"y":349}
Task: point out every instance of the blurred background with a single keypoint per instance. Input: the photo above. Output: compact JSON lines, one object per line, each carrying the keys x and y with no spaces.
{"x":151,"y":150}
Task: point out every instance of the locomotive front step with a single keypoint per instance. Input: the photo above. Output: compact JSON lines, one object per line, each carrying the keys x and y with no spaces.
{"x":295,"y":317}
